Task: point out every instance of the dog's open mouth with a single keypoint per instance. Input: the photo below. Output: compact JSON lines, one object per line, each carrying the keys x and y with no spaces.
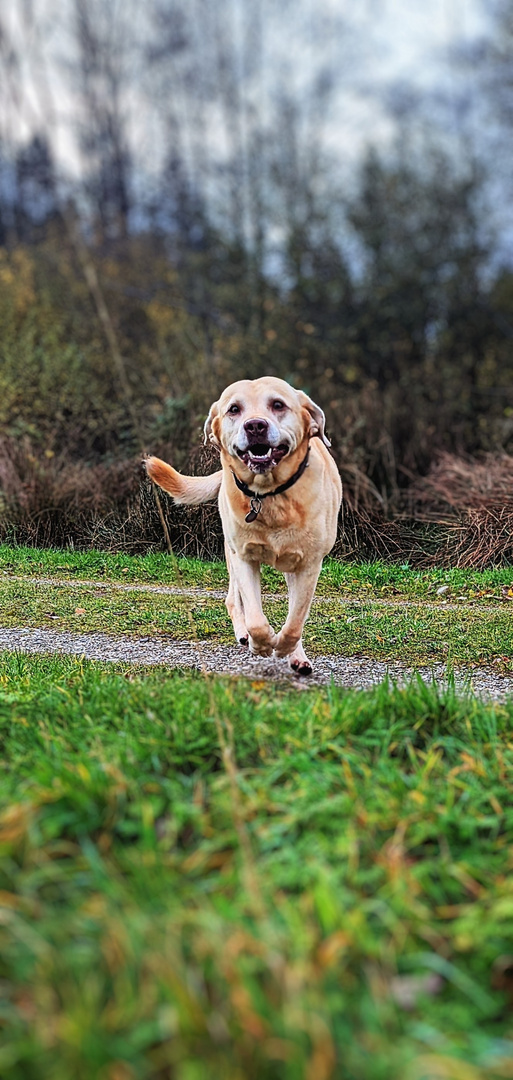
{"x":259,"y":457}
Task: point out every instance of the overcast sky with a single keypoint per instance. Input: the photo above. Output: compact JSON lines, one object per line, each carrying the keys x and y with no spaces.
{"x":368,"y":46}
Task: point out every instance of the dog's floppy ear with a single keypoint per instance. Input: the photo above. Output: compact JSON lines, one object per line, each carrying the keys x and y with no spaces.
{"x":207,"y":430}
{"x":317,"y":417}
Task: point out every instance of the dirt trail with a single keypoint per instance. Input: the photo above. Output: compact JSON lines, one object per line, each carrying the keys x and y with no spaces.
{"x":354,"y":672}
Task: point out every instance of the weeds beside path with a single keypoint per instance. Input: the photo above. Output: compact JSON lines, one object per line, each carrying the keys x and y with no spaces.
{"x":344,"y":578}
{"x":198,"y":593}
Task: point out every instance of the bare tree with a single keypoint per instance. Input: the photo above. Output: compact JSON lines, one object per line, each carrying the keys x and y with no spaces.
{"x":103,"y":45}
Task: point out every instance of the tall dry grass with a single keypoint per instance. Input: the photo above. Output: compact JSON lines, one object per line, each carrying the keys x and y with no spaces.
{"x":471,"y":501}
{"x":460,"y":514}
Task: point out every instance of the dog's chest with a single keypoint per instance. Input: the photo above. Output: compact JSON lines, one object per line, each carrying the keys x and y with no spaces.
{"x":275,"y":538}
{"x":287,"y":560}
{"x":280,"y":535}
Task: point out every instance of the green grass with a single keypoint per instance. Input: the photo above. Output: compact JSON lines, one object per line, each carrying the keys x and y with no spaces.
{"x":345,"y":578}
{"x":211,"y":878}
{"x":417,"y":635}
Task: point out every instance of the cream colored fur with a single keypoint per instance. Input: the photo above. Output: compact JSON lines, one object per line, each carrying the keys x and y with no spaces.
{"x":292,"y":532}
{"x":189,"y":490}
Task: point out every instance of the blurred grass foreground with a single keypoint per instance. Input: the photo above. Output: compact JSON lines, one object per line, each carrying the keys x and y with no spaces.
{"x":203,"y":878}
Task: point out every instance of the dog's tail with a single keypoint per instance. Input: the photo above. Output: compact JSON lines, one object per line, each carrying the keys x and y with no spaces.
{"x":184,"y":489}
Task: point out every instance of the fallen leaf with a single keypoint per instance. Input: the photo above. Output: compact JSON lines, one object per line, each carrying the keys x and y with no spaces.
{"x":405,"y":989}
{"x":80,"y":611}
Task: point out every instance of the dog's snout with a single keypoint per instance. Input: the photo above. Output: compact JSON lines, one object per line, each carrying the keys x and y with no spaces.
{"x":256,"y":428}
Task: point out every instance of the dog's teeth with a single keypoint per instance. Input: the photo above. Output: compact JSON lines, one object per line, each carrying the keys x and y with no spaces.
{"x":262,"y":457}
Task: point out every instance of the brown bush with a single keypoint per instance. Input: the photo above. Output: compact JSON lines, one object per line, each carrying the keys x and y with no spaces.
{"x":51,"y":501}
{"x":460,"y":514}
{"x":472,"y":501}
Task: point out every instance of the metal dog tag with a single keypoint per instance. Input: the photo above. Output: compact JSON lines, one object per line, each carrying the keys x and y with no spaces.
{"x":256,"y":507}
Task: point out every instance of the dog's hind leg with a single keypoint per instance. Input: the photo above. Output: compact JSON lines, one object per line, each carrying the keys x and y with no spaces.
{"x":234,"y":604}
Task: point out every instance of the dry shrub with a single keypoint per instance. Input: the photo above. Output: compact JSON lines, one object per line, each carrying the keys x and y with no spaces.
{"x":460,"y":514}
{"x":52,"y":501}
{"x":472,"y":500}
{"x":363,"y":530}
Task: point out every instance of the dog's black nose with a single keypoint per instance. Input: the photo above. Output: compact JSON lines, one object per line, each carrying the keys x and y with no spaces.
{"x":256,"y":429}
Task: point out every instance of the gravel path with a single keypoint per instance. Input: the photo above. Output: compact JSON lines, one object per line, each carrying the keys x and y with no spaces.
{"x":357,"y":673}
{"x":219,"y":594}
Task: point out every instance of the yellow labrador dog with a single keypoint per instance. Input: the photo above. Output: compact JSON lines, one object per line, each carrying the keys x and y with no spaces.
{"x":279,"y":496}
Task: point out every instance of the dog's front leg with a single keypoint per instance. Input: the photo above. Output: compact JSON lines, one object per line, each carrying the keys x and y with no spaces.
{"x":234,"y":603}
{"x":246,"y":577}
{"x":301,"y":586}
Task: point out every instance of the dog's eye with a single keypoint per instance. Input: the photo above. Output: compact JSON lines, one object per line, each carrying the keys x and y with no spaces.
{"x":279,"y":405}
{"x":234,"y":409}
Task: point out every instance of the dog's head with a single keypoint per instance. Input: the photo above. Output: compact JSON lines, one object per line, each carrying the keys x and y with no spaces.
{"x":260,"y":421}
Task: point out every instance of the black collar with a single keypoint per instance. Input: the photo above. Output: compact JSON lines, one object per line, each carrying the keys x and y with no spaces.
{"x":256,"y":497}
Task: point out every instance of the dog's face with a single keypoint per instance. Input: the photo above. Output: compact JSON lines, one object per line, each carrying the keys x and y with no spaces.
{"x":260,"y":421}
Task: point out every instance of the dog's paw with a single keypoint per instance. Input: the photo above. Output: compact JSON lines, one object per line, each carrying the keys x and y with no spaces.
{"x":298,"y":661}
{"x":260,"y":648}
{"x":262,"y":641}
{"x":301,"y":667}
